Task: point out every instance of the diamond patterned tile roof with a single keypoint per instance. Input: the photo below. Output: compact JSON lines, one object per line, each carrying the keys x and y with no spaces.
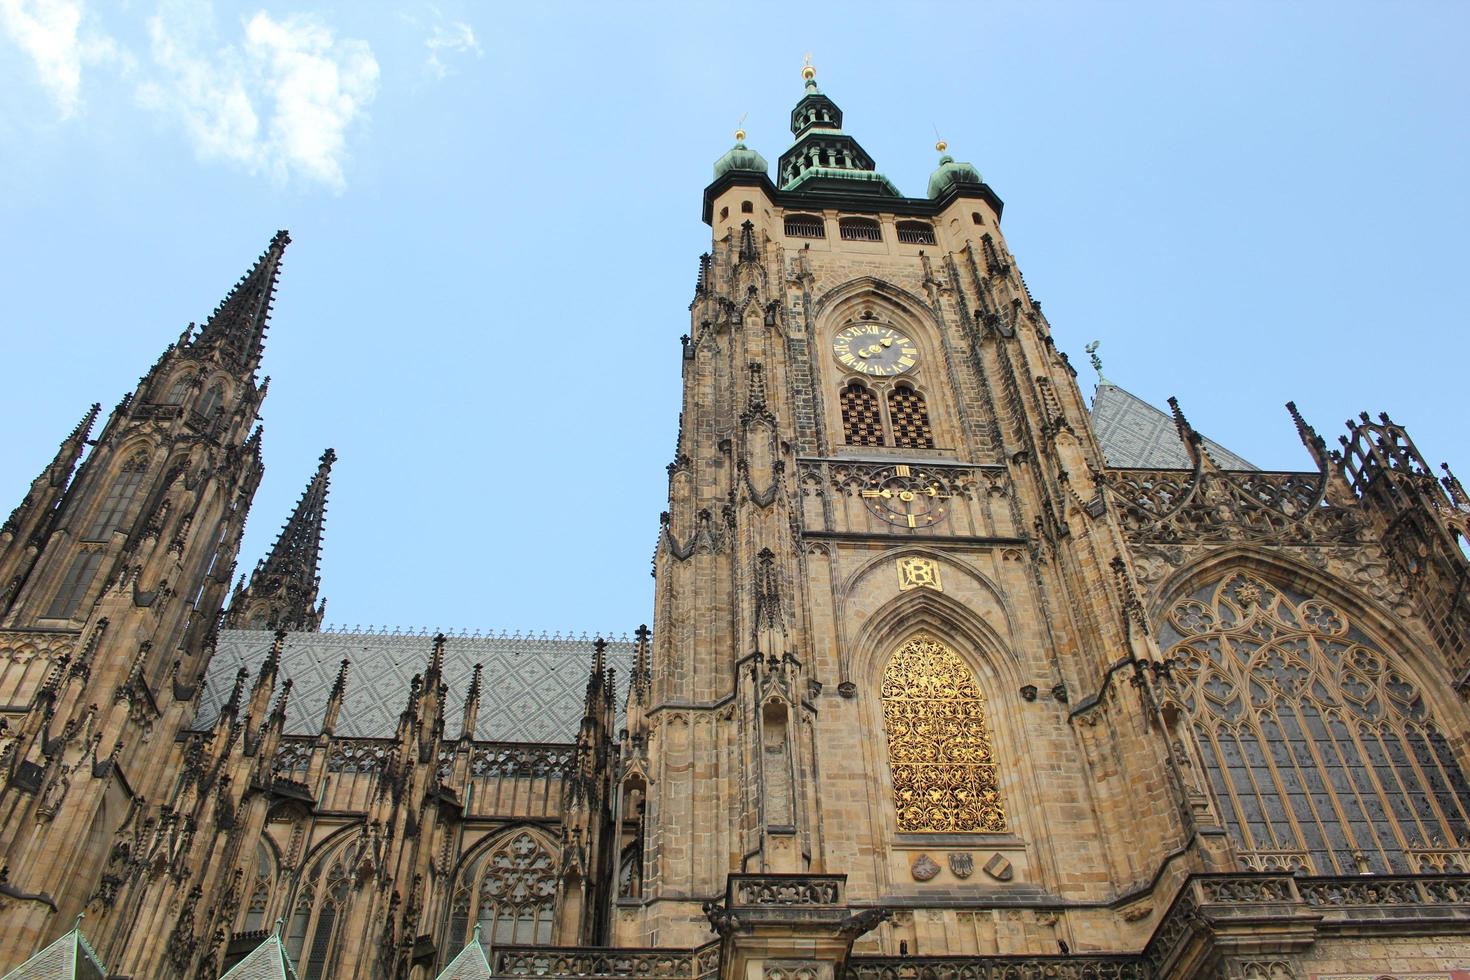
{"x":70,"y":957}
{"x":470,"y":964}
{"x":1135,"y":433}
{"x":532,"y":688}
{"x":268,"y":961}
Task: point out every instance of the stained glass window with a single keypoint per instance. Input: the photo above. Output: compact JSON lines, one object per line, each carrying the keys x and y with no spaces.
{"x":510,"y":893}
{"x":944,"y":777}
{"x":1320,"y":752}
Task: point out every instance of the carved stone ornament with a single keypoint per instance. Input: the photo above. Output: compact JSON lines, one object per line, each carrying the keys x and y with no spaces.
{"x":924,"y":868}
{"x":962,"y":865}
{"x":999,"y":868}
{"x":918,"y":573}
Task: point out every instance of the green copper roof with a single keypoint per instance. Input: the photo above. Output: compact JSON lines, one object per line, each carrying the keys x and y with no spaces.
{"x":951,"y":173}
{"x":740,"y":157}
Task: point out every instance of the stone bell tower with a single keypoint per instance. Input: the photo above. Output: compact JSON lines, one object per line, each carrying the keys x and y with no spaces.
{"x":884,"y":578}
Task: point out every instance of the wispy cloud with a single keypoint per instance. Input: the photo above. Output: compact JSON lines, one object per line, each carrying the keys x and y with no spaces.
{"x":455,"y":38}
{"x":279,"y":102}
{"x":51,"y":32}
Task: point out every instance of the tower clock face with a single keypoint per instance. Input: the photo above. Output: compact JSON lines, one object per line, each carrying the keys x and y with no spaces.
{"x":907,"y":497}
{"x":873,"y":349}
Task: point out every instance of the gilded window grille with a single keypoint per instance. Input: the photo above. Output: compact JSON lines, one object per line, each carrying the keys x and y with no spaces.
{"x":944,"y":775}
{"x":910,"y":418}
{"x":1318,"y":749}
{"x":861,"y":423}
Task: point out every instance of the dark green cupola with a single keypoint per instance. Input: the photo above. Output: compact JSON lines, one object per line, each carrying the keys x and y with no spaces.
{"x":824,"y":159}
{"x":951,"y":173}
{"x":740,"y":157}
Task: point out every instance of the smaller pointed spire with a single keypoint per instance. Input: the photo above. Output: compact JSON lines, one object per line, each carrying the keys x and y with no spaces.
{"x":1454,"y":488}
{"x":1315,"y":444}
{"x":638,"y":685}
{"x":282,"y":593}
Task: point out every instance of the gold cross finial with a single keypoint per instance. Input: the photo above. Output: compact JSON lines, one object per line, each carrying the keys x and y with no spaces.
{"x":807,"y":71}
{"x":740,"y":128}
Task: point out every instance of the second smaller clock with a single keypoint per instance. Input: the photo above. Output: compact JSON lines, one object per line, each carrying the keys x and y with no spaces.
{"x":907,"y":497}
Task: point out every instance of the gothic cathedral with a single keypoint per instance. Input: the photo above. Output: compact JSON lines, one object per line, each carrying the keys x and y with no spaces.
{"x":950,"y":674}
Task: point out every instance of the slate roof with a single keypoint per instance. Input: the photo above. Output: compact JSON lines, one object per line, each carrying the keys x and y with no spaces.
{"x":532,"y":688}
{"x":268,"y":961}
{"x":68,"y":958}
{"x":1135,"y":433}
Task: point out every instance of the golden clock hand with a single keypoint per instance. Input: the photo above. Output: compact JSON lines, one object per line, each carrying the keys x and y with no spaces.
{"x":878,"y":493}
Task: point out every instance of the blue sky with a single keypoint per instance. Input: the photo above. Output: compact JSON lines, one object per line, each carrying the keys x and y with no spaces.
{"x":495,"y":214}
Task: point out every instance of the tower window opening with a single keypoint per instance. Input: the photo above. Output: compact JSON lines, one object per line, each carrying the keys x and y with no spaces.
{"x":915,"y":233}
{"x":910,"y":419}
{"x":861,"y":423}
{"x":113,"y":513}
{"x":976,"y":219}
{"x":211,"y":401}
{"x":724,"y":213}
{"x":746,"y":207}
{"x":860,"y":230}
{"x":74,"y":587}
{"x":179,"y":390}
{"x":805,"y":226}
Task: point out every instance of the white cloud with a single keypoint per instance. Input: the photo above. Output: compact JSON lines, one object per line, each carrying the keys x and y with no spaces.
{"x":50,"y":31}
{"x":456,"y":38}
{"x":280,"y":102}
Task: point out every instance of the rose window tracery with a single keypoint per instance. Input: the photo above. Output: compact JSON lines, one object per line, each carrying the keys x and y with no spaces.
{"x":1318,"y":749}
{"x":944,"y":775}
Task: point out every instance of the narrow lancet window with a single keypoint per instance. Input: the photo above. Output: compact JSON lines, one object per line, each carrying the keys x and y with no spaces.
{"x":74,"y":586}
{"x":944,"y":776}
{"x":910,"y":418}
{"x":118,"y":503}
{"x":861,"y":423}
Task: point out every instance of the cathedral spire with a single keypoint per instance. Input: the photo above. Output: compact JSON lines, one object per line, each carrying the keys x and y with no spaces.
{"x":282,"y":593}
{"x":237,"y":326}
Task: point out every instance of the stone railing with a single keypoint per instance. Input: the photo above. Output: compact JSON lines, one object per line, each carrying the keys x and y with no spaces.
{"x":546,"y":961}
{"x":787,"y":890}
{"x":997,"y":968}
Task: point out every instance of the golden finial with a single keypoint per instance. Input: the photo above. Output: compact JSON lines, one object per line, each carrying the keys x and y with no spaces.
{"x":807,"y":71}
{"x":941,"y":146}
{"x":740,"y":129}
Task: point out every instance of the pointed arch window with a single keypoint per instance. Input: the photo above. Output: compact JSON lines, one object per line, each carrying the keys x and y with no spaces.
{"x":909,"y":417}
{"x":179,"y":390}
{"x":74,"y":586}
{"x":1319,"y":751}
{"x":211,"y":401}
{"x":118,"y":503}
{"x":510,"y":893}
{"x":258,"y":907}
{"x":861,"y":423}
{"x":944,"y":774}
{"x":320,"y":905}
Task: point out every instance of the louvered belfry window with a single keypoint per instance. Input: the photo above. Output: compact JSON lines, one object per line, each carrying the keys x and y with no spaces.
{"x":861,"y":422}
{"x":910,"y":418}
{"x":1320,"y":752}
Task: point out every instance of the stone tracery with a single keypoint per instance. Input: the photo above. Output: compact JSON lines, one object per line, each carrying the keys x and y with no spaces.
{"x":1320,"y":751}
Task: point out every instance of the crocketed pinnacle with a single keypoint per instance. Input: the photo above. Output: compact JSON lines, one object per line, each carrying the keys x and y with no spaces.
{"x":237,"y":326}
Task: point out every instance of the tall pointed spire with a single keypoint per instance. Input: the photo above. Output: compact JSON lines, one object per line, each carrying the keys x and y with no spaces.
{"x":282,"y":593}
{"x":237,"y":326}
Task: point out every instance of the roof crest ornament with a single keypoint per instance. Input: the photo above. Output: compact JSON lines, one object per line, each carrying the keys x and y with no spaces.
{"x":1096,"y":362}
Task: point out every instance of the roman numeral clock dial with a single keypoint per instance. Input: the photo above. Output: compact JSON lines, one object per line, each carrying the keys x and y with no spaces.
{"x":875,"y":350}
